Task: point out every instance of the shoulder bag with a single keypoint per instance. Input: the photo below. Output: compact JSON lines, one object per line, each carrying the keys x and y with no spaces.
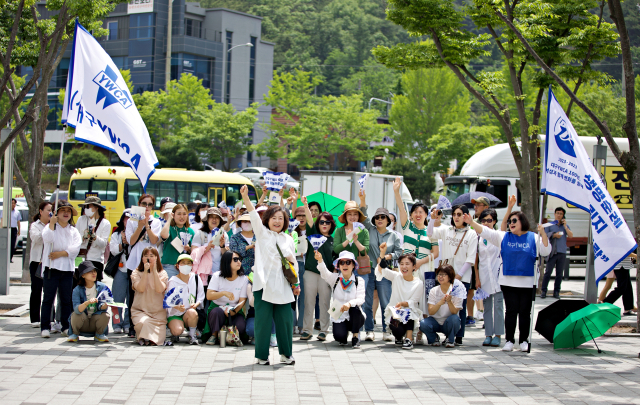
{"x":446,"y":261}
{"x":113,"y":264}
{"x":287,"y":268}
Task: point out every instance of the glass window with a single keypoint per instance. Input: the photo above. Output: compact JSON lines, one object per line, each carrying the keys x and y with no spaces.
{"x":252,"y":70}
{"x":233,"y":194}
{"x":192,"y":28}
{"x":61,"y":74}
{"x":188,"y":192}
{"x":455,"y":190}
{"x":142,"y":26}
{"x":112,"y":26}
{"x":107,"y":190}
{"x":227,"y":96}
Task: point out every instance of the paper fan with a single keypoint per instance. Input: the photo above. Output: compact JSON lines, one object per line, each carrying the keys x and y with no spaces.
{"x":173,"y":298}
{"x":317,"y":241}
{"x":480,"y":294}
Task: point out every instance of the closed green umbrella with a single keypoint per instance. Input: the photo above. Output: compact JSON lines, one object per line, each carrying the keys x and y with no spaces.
{"x":585,"y":324}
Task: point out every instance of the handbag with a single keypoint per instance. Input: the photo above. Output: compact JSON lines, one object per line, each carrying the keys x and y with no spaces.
{"x":446,"y":261}
{"x":364,"y":264}
{"x":287,"y":268}
{"x":113,"y":265}
{"x":233,"y":336}
{"x":83,"y":252}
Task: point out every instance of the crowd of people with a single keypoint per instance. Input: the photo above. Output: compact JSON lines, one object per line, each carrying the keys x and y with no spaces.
{"x":243,"y":275}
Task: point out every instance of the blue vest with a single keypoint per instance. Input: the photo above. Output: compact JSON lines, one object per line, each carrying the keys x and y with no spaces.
{"x":519,"y":254}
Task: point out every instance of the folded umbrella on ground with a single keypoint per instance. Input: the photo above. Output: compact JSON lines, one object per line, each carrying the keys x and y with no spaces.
{"x":585,"y":324}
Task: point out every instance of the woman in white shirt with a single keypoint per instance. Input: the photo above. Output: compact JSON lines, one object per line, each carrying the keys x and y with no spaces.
{"x":443,"y":307}
{"x":227,"y":292}
{"x":40,"y":220}
{"x":459,"y":248}
{"x":192,"y":295}
{"x":348,"y":295}
{"x":272,"y":292}
{"x":519,"y":249}
{"x":141,"y":235}
{"x":204,"y":248}
{"x":95,"y":231}
{"x":407,"y":293}
{"x":120,"y":286}
{"x":487,"y":279}
{"x":61,"y":246}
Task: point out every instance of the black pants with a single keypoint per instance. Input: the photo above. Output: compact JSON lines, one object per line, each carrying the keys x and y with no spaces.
{"x":463,"y":311}
{"x":132,"y":294}
{"x":556,"y":261}
{"x":14,"y":237}
{"x":341,"y":330}
{"x":60,"y":282}
{"x":517,"y":302}
{"x":401,"y":329}
{"x":35,"y":299}
{"x":623,"y":288}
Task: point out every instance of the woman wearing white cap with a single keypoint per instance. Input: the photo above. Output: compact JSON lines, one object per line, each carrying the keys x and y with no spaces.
{"x":185,"y":315}
{"x":95,"y":230}
{"x":347,"y":299}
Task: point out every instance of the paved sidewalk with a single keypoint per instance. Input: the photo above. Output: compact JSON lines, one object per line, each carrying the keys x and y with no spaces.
{"x":51,"y":371}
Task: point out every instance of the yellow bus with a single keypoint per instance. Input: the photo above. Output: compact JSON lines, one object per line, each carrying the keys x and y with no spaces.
{"x":119,"y":188}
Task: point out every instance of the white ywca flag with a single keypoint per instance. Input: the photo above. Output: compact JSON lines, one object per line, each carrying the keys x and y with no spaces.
{"x":569,"y":175}
{"x":99,"y":106}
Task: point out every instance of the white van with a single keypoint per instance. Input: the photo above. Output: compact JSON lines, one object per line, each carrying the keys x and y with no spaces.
{"x":495,"y":167}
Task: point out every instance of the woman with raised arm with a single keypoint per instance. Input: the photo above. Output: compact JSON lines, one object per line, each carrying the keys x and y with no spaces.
{"x":519,"y":249}
{"x":272,"y":292}
{"x":459,"y":248}
{"x":177,"y":236}
{"x":416,"y":241}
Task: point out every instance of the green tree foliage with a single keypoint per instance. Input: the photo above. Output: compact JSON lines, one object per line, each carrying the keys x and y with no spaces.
{"x":432,"y":98}
{"x":420,"y":183}
{"x":308,"y":130}
{"x":84,"y":157}
{"x":372,"y":80}
{"x":178,"y":155}
{"x":457,"y":141}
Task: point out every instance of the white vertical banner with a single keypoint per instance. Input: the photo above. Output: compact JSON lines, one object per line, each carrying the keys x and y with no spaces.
{"x":99,"y":106}
{"x":569,"y":175}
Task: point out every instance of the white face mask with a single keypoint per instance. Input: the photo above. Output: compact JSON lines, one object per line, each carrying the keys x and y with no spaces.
{"x":246,"y":226}
{"x":390,"y":227}
{"x":89,"y":212}
{"x":203,"y":214}
{"x":185,"y":269}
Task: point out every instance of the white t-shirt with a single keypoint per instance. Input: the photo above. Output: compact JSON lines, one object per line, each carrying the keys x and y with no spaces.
{"x":91,"y":293}
{"x":196,"y":226}
{"x":237,"y":287}
{"x":136,"y":252}
{"x":435,"y":296}
{"x":191,"y":293}
{"x":450,"y":237}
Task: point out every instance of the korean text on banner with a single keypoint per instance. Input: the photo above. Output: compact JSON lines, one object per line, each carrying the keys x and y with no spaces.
{"x":99,"y":106}
{"x":274,"y":181}
{"x":569,"y":175}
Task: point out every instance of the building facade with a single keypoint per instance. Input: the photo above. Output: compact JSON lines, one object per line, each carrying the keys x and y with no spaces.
{"x":202,"y":42}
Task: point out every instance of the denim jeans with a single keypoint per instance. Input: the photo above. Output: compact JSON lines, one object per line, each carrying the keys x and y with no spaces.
{"x":556,"y":261}
{"x":297,"y":321}
{"x":494,"y":314}
{"x":170,"y":269}
{"x":120,"y":291}
{"x":429,"y":326}
{"x":60,"y":282}
{"x":463,"y":313}
{"x":384,"y":295}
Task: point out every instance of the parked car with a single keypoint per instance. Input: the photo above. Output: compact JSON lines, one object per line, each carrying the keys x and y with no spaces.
{"x":253,"y":173}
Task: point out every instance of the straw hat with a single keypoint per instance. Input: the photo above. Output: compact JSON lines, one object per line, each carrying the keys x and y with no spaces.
{"x":215,"y":211}
{"x":64,"y":204}
{"x":351,"y":206}
{"x":243,"y":217}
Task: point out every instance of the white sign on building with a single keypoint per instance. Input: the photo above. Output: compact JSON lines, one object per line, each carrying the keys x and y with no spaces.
{"x":140,"y":6}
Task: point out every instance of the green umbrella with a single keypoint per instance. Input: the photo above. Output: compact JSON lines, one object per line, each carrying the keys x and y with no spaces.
{"x":328,"y":203}
{"x":585,"y":324}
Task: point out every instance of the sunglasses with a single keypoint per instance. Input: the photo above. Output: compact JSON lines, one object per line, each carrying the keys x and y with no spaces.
{"x":379,"y":218}
{"x":344,"y":262}
{"x":323,"y":222}
{"x":145,"y":204}
{"x":237,"y":259}
{"x":486,"y":221}
{"x":458,"y":214}
{"x":513,"y":221}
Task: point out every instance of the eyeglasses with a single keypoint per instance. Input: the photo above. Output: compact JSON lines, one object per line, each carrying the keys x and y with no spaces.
{"x":486,"y":221}
{"x":513,"y":221}
{"x":344,"y":262}
{"x":322,"y":222}
{"x":442,"y":275}
{"x":145,"y":204}
{"x":237,"y":259}
{"x":458,"y":214}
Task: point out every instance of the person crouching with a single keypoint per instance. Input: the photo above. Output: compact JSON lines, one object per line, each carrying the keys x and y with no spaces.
{"x":348,"y":294}
{"x":192,"y":296}
{"x":88,"y":316}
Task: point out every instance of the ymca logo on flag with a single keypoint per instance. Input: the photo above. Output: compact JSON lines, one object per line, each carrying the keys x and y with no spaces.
{"x":569,"y":175}
{"x":99,"y":106}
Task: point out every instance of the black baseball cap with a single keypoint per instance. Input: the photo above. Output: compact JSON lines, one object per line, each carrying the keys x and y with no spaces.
{"x":166,"y":200}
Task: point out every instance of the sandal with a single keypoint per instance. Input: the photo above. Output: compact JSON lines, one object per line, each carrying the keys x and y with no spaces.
{"x":141,"y":342}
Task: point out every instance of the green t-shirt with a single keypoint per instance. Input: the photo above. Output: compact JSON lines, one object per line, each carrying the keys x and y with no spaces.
{"x":169,"y":253}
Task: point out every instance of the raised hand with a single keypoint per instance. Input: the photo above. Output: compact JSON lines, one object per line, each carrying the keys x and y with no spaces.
{"x":383,"y":249}
{"x":244,"y":191}
{"x":512,"y":201}
{"x":466,"y":218}
{"x":317,"y":256}
{"x":304,"y":200}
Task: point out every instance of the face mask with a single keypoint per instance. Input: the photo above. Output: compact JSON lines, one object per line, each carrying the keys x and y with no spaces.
{"x":203,"y":214}
{"x":390,"y":227}
{"x":89,"y":212}
{"x":246,"y":226}
{"x":226,"y":219}
{"x":185,"y":269}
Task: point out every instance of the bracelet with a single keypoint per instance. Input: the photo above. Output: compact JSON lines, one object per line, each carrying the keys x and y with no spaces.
{"x":294,"y":286}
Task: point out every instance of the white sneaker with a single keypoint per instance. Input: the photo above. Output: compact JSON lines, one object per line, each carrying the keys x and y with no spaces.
{"x":65,"y":333}
{"x":117,"y":330}
{"x":35,"y":324}
{"x":479,"y":315}
{"x":386,"y":336}
{"x":45,"y":333}
{"x":524,"y":346}
{"x":507,"y":347}
{"x":287,"y":360}
{"x":370,"y":337}
{"x":296,"y":331}
{"x":56,"y":327}
{"x":126,"y":331}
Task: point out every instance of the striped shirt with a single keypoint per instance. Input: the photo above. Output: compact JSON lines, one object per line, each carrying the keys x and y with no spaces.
{"x":416,"y":241}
